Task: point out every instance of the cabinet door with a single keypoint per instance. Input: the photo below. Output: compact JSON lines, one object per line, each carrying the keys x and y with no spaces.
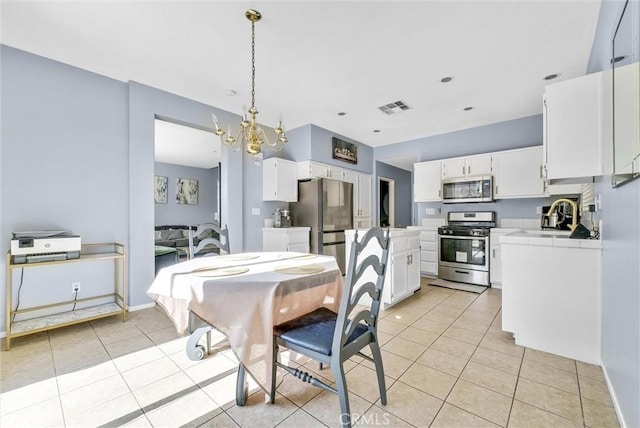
{"x":335,"y":173}
{"x":454,"y":167}
{"x":399,"y":288}
{"x":573,"y":113}
{"x":518,"y":173}
{"x":495,"y":265}
{"x":478,"y":165}
{"x":363,"y":207}
{"x":350,"y":177}
{"x":279,"y":180}
{"x":362,"y":222}
{"x":427,"y":182}
{"x":413,"y":270}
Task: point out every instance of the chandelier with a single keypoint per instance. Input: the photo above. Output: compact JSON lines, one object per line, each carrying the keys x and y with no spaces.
{"x":251,"y":135}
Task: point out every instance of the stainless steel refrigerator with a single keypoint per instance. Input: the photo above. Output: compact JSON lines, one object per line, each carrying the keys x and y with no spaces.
{"x":327,"y":207}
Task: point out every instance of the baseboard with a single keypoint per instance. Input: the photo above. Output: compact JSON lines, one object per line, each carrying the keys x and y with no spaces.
{"x":141,"y":307}
{"x":612,"y":392}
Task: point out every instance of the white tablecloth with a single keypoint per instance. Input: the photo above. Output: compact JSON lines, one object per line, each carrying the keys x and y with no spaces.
{"x":245,"y":306}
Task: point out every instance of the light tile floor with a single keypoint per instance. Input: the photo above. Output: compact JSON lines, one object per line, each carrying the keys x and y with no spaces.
{"x":447,"y":363}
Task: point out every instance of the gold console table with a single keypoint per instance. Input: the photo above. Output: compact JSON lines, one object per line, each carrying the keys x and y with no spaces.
{"x":88,"y":253}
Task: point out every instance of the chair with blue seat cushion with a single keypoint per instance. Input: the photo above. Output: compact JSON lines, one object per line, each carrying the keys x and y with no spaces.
{"x":332,"y":338}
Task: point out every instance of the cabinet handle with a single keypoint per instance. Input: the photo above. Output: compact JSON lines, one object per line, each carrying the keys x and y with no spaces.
{"x":494,"y":253}
{"x":541,"y":172}
{"x":469,"y":169}
{"x":462,"y":170}
{"x":496,"y":190}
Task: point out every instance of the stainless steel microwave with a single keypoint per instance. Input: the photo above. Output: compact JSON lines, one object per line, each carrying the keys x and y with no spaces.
{"x":478,"y":188}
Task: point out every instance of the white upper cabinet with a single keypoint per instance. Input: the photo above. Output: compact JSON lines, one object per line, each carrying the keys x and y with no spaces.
{"x":427,"y":182}
{"x":518,"y":173}
{"x":465,"y":166}
{"x":311,"y":169}
{"x":574,"y":128}
{"x":279,"y":180}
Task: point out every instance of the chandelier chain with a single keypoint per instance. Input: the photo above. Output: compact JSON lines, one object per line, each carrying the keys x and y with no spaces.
{"x":253,"y":64}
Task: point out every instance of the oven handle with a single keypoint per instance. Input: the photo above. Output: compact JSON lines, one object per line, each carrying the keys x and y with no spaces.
{"x":459,"y":271}
{"x":463,"y":237}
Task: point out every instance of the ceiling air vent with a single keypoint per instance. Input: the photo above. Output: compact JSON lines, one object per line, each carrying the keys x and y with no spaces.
{"x":395,"y":107}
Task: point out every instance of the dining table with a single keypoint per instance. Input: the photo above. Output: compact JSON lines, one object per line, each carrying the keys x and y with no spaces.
{"x":244,"y":295}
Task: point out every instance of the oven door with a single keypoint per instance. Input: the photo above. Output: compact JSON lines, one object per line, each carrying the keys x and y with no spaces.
{"x":467,"y":252}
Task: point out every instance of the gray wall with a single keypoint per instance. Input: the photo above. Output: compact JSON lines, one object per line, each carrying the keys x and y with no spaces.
{"x":64,"y":164}
{"x":620,"y":215}
{"x":174,"y":213}
{"x":403,"y":195}
{"x":512,"y":134}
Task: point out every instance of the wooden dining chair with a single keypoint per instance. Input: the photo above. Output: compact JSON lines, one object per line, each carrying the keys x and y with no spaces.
{"x":332,"y":338}
{"x":215,"y":239}
{"x":219,"y":239}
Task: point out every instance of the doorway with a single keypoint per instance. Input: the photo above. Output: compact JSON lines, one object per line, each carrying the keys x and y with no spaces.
{"x":386,"y":202}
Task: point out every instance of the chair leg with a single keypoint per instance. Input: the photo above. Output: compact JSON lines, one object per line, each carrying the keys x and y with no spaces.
{"x":274,"y":370}
{"x":377,"y":359}
{"x":343,"y":395}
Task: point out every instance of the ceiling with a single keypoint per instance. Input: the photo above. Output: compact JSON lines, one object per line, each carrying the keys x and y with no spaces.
{"x":184,"y":145}
{"x":317,"y":58}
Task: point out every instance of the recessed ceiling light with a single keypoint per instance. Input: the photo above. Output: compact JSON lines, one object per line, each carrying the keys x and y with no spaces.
{"x":468,"y":108}
{"x":342,"y":113}
{"x":551,"y":76}
{"x":446,"y":79}
{"x":618,"y":58}
{"x":229,"y":92}
{"x":376,"y":130}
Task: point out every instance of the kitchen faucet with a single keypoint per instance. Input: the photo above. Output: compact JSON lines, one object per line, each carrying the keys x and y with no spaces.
{"x":574,"y":206}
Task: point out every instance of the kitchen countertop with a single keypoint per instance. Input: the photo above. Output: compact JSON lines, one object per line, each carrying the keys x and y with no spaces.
{"x":289,"y":229}
{"x":549,"y":238}
{"x":394,"y":231}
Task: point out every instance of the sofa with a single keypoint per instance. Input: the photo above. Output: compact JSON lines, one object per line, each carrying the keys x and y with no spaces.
{"x":177,"y":236}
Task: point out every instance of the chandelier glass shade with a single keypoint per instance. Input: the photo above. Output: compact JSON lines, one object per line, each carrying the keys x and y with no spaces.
{"x":251,"y":136}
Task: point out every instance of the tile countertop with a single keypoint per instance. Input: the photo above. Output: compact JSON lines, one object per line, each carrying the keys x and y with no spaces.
{"x":549,"y":239}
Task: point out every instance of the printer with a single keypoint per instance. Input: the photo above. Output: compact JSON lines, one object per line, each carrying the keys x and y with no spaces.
{"x":44,"y":246}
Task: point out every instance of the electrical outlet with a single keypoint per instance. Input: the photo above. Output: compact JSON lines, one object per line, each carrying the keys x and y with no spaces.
{"x":75,"y":287}
{"x":538,"y":210}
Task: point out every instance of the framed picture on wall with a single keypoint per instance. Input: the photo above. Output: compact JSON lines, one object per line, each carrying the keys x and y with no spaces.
{"x":187,"y":191}
{"x":160,"y":195}
{"x":344,"y":151}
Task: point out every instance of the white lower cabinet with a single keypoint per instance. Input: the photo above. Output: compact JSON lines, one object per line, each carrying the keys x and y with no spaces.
{"x":403,"y":267}
{"x":551,"y":294}
{"x":428,"y":250}
{"x":495,"y":258}
{"x":295,"y":239}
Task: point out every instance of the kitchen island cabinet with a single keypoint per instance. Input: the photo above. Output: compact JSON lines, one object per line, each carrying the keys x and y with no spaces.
{"x":551,"y":293}
{"x":403,"y":267}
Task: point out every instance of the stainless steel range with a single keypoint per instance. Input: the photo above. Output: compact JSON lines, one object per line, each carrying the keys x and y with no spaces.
{"x":463,"y":253}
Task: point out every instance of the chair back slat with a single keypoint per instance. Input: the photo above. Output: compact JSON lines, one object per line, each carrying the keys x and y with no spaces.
{"x":222,"y":242}
{"x":375,"y":240}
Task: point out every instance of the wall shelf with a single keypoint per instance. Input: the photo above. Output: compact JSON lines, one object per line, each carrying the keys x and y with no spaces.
{"x":88,"y":253}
